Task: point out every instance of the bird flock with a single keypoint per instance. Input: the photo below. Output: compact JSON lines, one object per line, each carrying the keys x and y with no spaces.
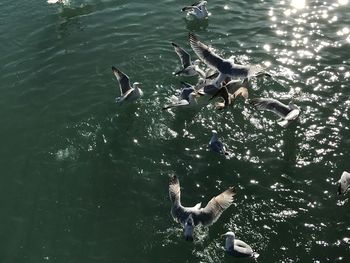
{"x":226,"y":79}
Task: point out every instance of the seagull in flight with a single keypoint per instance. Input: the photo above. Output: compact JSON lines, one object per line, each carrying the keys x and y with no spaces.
{"x":187,"y":97}
{"x":226,"y":67}
{"x":236,"y":247}
{"x":198,"y":9}
{"x":188,"y":68}
{"x":127,"y":92}
{"x":230,"y":98}
{"x":216,"y":145}
{"x":288,"y":113}
{"x":190,"y":217}
{"x":344,"y":183}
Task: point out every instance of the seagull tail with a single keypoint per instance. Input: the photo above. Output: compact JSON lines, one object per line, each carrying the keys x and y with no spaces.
{"x":283,"y":123}
{"x":187,"y":8}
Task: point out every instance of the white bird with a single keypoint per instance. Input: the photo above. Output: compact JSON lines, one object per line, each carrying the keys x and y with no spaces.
{"x":344,"y":183}
{"x":216,"y":145}
{"x":288,"y":113}
{"x":198,"y":9}
{"x":127,"y":93}
{"x":188,"y":67}
{"x":190,"y":217}
{"x":226,"y":67}
{"x":238,"y":248}
{"x":187,"y":97}
{"x":57,"y":1}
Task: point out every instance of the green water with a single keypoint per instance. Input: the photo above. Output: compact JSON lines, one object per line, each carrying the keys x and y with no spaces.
{"x":85,"y":180}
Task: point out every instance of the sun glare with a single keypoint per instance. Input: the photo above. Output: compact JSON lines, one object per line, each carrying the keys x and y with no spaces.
{"x":298,"y":4}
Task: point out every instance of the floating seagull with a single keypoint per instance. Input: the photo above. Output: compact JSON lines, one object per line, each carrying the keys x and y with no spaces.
{"x":190,"y":217}
{"x":226,"y":67}
{"x":188,"y":68}
{"x":127,"y":92}
{"x":288,"y":113}
{"x":198,"y":9}
{"x":238,"y":248}
{"x":216,"y":145}
{"x":344,"y":183}
{"x":187,"y":97}
{"x":57,"y":1}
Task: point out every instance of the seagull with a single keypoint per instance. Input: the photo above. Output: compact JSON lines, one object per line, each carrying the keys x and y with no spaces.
{"x":228,"y":97}
{"x":188,"y":68}
{"x":238,"y":248}
{"x":127,"y":92}
{"x":288,"y":113}
{"x":190,"y":217}
{"x":187,"y":97}
{"x":216,"y":145}
{"x":344,"y":183}
{"x":198,"y":9}
{"x":226,"y":67}
{"x":57,"y":1}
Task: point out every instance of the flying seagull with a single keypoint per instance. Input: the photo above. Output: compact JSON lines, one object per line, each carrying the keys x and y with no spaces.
{"x":344,"y":183}
{"x":226,"y":67}
{"x":198,"y":9}
{"x":216,"y":145}
{"x":187,"y":97}
{"x":238,"y":248}
{"x":188,"y":68}
{"x":190,"y":217}
{"x":288,"y":113}
{"x":228,"y":97}
{"x":127,"y":92}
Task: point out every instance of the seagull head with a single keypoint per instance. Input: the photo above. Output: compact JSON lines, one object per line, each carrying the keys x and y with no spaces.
{"x":229,"y":234}
{"x":136,"y":85}
{"x":189,"y":228}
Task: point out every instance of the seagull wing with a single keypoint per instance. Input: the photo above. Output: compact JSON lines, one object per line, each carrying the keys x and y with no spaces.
{"x":183,"y":55}
{"x":174,"y":189}
{"x":218,"y":204}
{"x":223,"y":92}
{"x":208,"y":56}
{"x":180,"y":103}
{"x":123,"y":79}
{"x":271,"y":105}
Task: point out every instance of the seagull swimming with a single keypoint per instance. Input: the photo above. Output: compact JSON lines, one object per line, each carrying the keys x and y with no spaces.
{"x":127,"y":92}
{"x":57,"y":1}
{"x":226,"y":67}
{"x":288,"y":113}
{"x":187,"y":97}
{"x":198,"y":9}
{"x":238,"y":248}
{"x":344,"y":183}
{"x":190,"y":217}
{"x":188,"y":68}
{"x":216,"y":145}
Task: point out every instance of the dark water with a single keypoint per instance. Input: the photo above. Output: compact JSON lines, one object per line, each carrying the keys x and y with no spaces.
{"x":85,"y":180}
